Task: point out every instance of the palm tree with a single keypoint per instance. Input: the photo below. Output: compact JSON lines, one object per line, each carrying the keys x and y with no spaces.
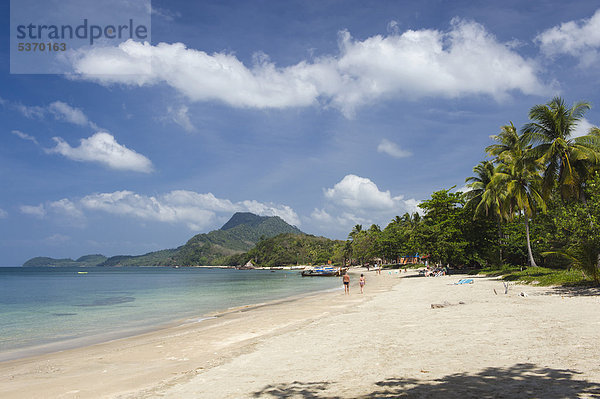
{"x":519,"y":175}
{"x":515,"y":184}
{"x":486,"y":196}
{"x":566,"y":160}
{"x":507,"y":140}
{"x":356,"y":230}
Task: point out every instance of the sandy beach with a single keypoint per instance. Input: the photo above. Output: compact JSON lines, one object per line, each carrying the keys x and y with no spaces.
{"x":387,"y":343}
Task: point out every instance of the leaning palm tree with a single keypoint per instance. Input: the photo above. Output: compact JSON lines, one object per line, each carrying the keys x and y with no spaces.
{"x":566,"y":159}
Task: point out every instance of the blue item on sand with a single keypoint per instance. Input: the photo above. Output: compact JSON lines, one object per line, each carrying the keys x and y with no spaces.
{"x":464,"y":281}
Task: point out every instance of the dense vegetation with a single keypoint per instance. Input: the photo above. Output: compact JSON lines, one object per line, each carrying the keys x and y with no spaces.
{"x":288,"y":249}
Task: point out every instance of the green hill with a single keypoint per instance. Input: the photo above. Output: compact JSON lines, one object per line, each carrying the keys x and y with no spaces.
{"x":238,"y":235}
{"x":291,"y":249}
{"x":84,"y":261}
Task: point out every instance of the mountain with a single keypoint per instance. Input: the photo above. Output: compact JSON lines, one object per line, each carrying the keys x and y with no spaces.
{"x":237,"y":236}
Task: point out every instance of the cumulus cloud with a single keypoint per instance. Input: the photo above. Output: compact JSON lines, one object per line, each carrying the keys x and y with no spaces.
{"x":32,"y":210}
{"x":3,"y":214}
{"x":464,"y":60}
{"x":24,"y":136}
{"x":359,"y":193}
{"x":358,"y":200}
{"x":103,"y":148}
{"x":195,"y":210}
{"x":392,"y":149}
{"x":580,"y":39}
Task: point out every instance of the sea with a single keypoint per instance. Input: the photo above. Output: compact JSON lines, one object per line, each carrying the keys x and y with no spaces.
{"x":45,"y":310}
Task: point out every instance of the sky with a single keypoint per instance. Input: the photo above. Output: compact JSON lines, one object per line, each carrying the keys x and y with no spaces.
{"x":326,"y":113}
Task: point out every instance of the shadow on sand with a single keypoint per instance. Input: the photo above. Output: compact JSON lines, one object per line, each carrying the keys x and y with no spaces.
{"x":575,"y":290}
{"x":519,"y":381}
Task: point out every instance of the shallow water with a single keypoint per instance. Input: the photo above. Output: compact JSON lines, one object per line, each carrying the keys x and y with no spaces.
{"x":41,"y":306}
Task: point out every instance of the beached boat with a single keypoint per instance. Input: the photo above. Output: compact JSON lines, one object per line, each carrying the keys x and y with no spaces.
{"x":322,"y":271}
{"x":247,"y":266}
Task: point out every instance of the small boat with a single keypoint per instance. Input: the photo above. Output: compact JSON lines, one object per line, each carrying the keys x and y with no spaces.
{"x":82,"y":272}
{"x":247,"y":266}
{"x":322,"y":271}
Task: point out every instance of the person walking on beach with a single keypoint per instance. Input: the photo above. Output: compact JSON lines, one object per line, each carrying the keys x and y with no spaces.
{"x":361,"y":282}
{"x":346,"y":280}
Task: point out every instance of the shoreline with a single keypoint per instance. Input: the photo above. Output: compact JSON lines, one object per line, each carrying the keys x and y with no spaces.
{"x":389,"y":341}
{"x":143,"y":327}
{"x":28,"y":374}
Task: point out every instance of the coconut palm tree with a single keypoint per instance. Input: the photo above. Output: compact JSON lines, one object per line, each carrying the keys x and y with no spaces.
{"x":356,"y":230}
{"x":518,"y":174}
{"x":486,"y":196}
{"x":566,"y":160}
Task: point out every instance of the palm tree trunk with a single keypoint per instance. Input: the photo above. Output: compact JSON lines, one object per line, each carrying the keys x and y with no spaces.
{"x":529,"y":253}
{"x":500,"y":241}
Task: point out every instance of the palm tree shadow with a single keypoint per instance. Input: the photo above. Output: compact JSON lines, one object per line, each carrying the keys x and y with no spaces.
{"x":521,"y":380}
{"x":575,"y":290}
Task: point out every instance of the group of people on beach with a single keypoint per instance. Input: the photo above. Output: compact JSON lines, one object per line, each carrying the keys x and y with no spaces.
{"x":346,"y":280}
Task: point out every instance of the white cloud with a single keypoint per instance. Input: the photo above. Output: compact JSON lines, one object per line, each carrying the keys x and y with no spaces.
{"x":60,"y":110}
{"x":180,"y":116}
{"x":3,"y":214}
{"x":392,"y":149}
{"x":357,"y":200}
{"x":196,"y":210}
{"x":38,"y":211}
{"x":67,"y":208}
{"x":579,"y":39}
{"x":582,"y":128}
{"x":465,"y":60}
{"x":31,"y":112}
{"x":24,"y":136}
{"x":103,"y":148}
{"x":356,"y":192}
{"x":269,"y":209}
{"x":321,"y":215}
{"x":63,"y":111}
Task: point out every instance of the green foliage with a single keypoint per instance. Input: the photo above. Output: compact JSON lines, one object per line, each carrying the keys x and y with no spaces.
{"x":538,"y":275}
{"x":289,"y":249}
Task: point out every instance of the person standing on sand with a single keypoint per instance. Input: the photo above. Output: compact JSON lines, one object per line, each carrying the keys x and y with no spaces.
{"x":346,"y":280}
{"x":361,"y":282}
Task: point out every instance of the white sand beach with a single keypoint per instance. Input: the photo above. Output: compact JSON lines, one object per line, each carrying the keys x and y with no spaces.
{"x":386,"y":343}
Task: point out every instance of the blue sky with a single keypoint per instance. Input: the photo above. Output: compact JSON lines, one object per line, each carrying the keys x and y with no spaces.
{"x":327,"y":113}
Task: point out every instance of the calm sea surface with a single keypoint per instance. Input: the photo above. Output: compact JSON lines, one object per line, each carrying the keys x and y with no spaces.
{"x":43,"y":309}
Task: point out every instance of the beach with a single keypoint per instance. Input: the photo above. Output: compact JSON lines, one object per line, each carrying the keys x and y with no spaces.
{"x":389,"y":342}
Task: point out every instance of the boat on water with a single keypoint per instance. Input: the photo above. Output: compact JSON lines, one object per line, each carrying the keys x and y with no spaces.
{"x":323,"y":271}
{"x":82,"y":272}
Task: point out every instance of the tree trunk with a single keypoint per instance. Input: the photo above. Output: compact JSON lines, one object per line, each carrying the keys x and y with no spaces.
{"x":500,"y":242}
{"x":529,"y":253}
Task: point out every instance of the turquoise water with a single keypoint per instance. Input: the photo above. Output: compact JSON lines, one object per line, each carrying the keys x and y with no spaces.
{"x":43,"y":310}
